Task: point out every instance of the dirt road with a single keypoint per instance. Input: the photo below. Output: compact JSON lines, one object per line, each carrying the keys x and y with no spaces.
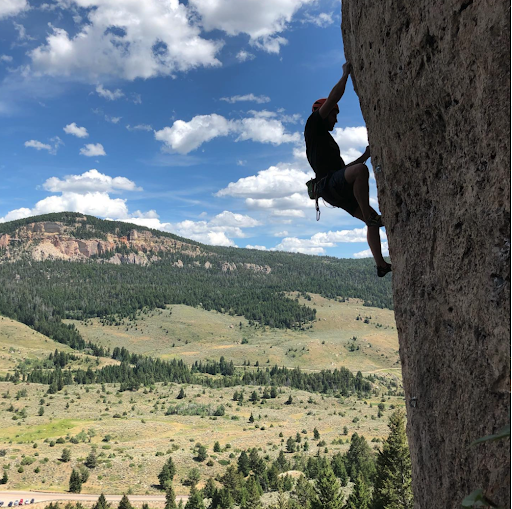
{"x":41,"y":496}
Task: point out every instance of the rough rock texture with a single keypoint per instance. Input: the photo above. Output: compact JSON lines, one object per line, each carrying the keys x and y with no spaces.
{"x":433,"y":79}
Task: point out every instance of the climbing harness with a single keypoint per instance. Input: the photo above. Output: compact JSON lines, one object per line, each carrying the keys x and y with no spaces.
{"x":312,"y":186}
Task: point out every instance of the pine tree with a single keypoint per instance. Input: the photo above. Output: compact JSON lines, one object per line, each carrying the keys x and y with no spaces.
{"x":360,"y":497}
{"x":5,"y":479}
{"x":66,"y":455}
{"x":210,"y":488}
{"x":170,"y":497}
{"x":91,"y":461}
{"x":195,"y":500}
{"x":252,"y":499}
{"x":167,"y":473}
{"x":201,"y":453}
{"x":244,"y":466}
{"x":393,"y":481}
{"x":101,"y":503}
{"x":304,"y":492}
{"x":360,"y":458}
{"x":75,"y":482}
{"x":124,"y":503}
{"x":181,"y":395}
{"x":328,"y":491}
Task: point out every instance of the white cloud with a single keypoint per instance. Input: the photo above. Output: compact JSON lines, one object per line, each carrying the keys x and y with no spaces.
{"x":139,"y":127}
{"x":262,"y":20}
{"x":259,"y":99}
{"x":259,"y":248}
{"x":352,"y":141}
{"x":5,"y":58}
{"x":22,"y":33}
{"x":183,"y":137}
{"x":92,"y":150}
{"x":90,"y":181}
{"x":227,"y":218}
{"x":16,"y":214}
{"x":319,"y":241}
{"x":288,"y":213}
{"x":284,"y":233}
{"x":12,"y":7}
{"x":368,"y":254}
{"x":244,"y":56}
{"x":86,"y":193}
{"x":38,"y":145}
{"x":112,"y":120}
{"x":79,"y":132}
{"x":322,"y":19}
{"x":109,"y":94}
{"x":274,"y":182}
{"x":130,"y":39}
{"x":52,"y":149}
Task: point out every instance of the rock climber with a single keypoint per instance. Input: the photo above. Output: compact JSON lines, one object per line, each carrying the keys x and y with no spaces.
{"x":344,"y":186}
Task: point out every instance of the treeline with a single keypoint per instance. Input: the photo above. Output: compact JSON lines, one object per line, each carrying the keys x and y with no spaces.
{"x":135,"y":371}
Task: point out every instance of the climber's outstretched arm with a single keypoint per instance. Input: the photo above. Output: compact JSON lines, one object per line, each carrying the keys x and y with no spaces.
{"x":361,"y":159}
{"x":336,"y":93}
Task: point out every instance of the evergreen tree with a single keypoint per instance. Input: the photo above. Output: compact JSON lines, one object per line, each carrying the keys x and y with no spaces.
{"x":66,"y":455}
{"x":181,"y":395}
{"x":75,"y":482}
{"x":328,"y":491}
{"x":201,"y":453}
{"x":124,"y":503}
{"x":393,"y":480}
{"x":170,"y":497}
{"x":167,"y":473}
{"x":195,"y":499}
{"x":253,"y":496}
{"x":316,"y":434}
{"x":92,"y":460}
{"x":251,"y":418}
{"x":5,"y":479}
{"x":244,"y":466}
{"x":210,"y":488}
{"x":360,"y":497}
{"x":290,"y":445}
{"x":360,"y":458}
{"x":101,"y":503}
{"x":304,"y":492}
{"x":339,"y":469}
{"x":216,"y":447}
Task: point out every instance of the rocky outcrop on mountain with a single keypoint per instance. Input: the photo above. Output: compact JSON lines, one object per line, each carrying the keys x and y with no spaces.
{"x":433,"y":79}
{"x":52,"y":240}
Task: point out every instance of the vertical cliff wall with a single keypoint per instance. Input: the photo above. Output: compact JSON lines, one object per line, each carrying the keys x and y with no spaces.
{"x":433,"y":79}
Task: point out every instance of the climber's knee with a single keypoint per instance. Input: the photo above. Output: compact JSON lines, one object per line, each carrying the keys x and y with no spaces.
{"x":356,"y":171}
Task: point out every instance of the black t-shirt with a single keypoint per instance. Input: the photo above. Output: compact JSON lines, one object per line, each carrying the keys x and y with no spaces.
{"x":322,"y":151}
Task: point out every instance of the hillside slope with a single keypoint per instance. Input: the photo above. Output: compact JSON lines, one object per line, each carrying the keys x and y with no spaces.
{"x":433,"y":79}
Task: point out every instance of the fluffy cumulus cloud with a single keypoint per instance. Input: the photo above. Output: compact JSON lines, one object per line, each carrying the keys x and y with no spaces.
{"x":219,"y":231}
{"x":318,"y":242}
{"x":244,"y":56}
{"x":351,"y":140}
{"x":259,"y":99}
{"x":87,"y":193}
{"x":12,"y":7}
{"x":183,"y":137}
{"x":79,"y":132}
{"x":90,"y":181}
{"x":261,"y":20}
{"x":92,"y":150}
{"x":129,"y":39}
{"x":368,"y":254}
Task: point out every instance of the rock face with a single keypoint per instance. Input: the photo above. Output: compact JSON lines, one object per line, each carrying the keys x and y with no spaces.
{"x":433,"y":79}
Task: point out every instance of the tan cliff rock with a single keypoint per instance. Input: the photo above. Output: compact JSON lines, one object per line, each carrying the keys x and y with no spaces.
{"x":433,"y":79}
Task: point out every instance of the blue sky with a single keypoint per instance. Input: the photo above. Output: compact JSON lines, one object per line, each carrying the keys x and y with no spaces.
{"x":186,"y":117}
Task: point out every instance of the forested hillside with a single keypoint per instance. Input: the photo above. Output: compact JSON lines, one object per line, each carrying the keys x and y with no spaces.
{"x":41,"y":293}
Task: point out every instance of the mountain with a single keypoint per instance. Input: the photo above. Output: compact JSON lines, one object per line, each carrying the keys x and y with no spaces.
{"x":69,"y":265}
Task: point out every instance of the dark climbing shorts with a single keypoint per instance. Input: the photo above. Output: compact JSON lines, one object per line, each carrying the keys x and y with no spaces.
{"x":336,"y":191}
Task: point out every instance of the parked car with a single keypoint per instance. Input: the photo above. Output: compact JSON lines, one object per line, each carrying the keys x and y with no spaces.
{"x":1,"y":503}
{"x":9,"y":504}
{"x":27,"y":501}
{"x":21,"y":501}
{"x":32,"y":501}
{"x":15,"y":503}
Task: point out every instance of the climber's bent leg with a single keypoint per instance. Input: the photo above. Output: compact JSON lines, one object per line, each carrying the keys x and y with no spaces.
{"x":358,"y":175}
{"x":373,"y":238}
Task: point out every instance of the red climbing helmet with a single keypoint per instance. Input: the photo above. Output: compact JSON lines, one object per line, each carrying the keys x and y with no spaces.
{"x":319,"y":103}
